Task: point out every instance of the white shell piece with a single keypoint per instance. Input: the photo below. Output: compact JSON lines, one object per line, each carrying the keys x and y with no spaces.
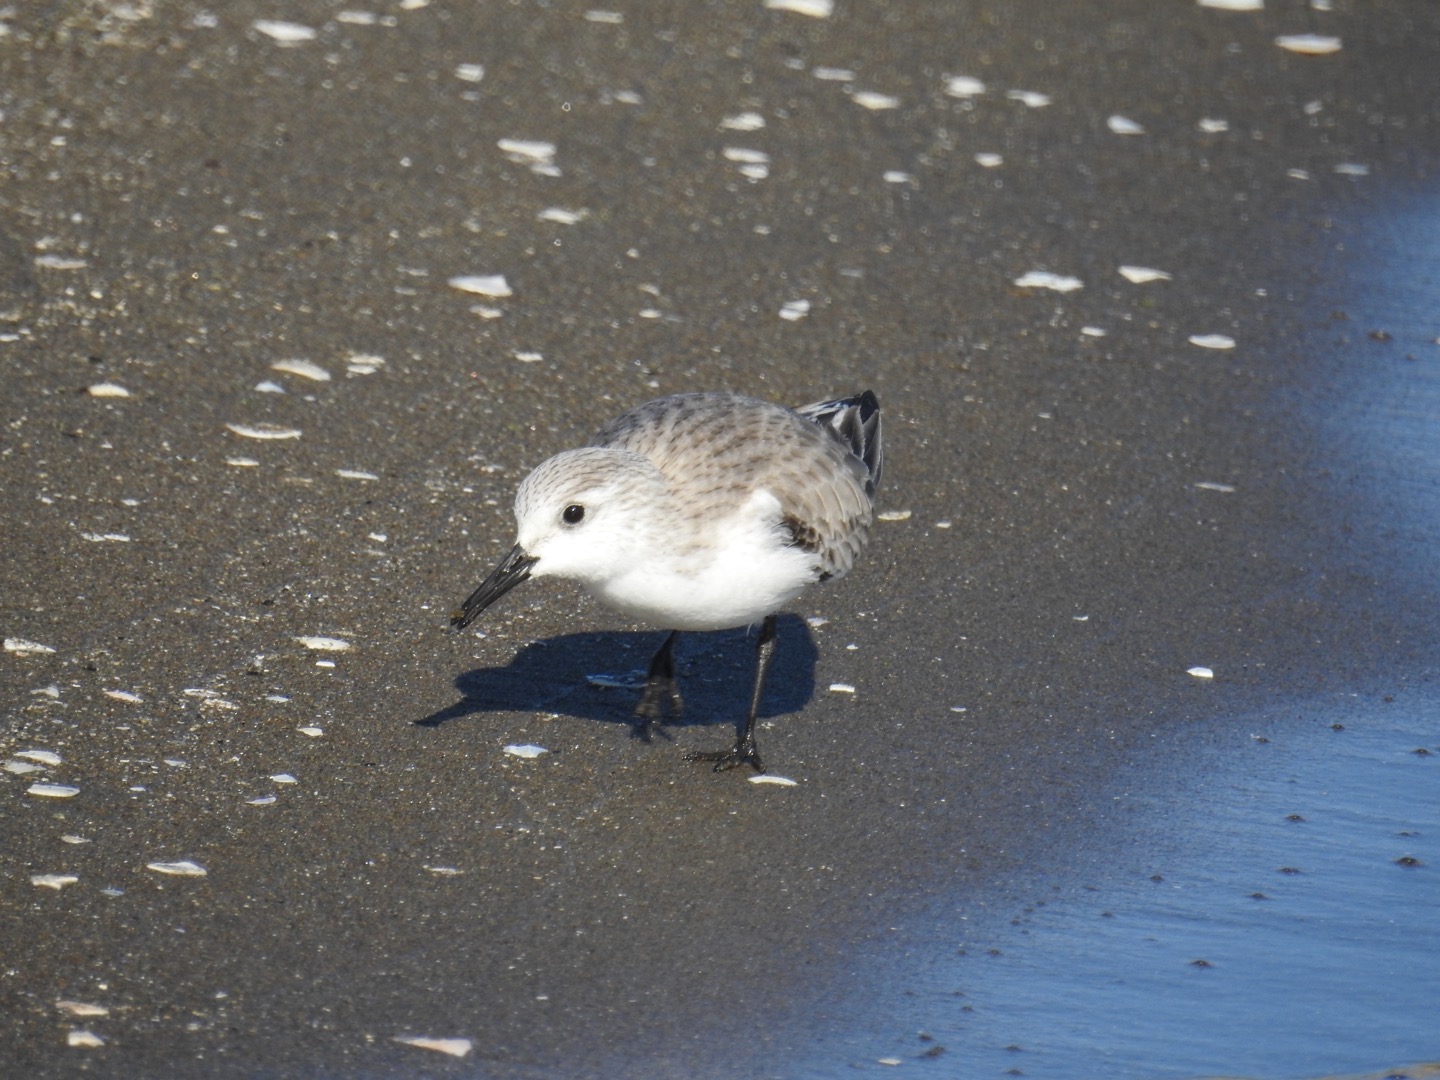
{"x":265,"y":431}
{"x":1213,"y":125}
{"x":528,"y":151}
{"x":21,"y":647}
{"x":1200,"y":672}
{"x":355,"y":474}
{"x":107,"y":389}
{"x":470,"y":72}
{"x":1142,"y":275}
{"x":1042,"y":279}
{"x":1031,"y":98}
{"x":794,"y":310}
{"x":363,"y":363}
{"x":79,"y":1037}
{"x":285,"y":33}
{"x":53,"y":881}
{"x":82,"y":1008}
{"x":1212,"y":341}
{"x":771,"y":778}
{"x":304,"y":368}
{"x":124,"y":695}
{"x":989,"y":161}
{"x":1234,"y":5}
{"x":894,"y":515}
{"x":873,"y":99}
{"x":746,"y":121}
{"x":816,"y":9}
{"x":963,"y":86}
{"x":1309,"y":44}
{"x":1123,"y":125}
{"x":525,"y":750}
{"x":635,"y":680}
{"x":53,"y":791}
{"x":841,"y":688}
{"x":745,"y":156}
{"x":453,"y":1047}
{"x":482,"y":284}
{"x":325,"y":644}
{"x":44,"y":757}
{"x":182,"y":868}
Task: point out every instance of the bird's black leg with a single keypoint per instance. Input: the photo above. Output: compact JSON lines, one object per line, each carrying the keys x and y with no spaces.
{"x":661,"y":691}
{"x":745,"y":749}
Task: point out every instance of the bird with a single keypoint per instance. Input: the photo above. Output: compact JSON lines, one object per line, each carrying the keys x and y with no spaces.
{"x":696,"y":512}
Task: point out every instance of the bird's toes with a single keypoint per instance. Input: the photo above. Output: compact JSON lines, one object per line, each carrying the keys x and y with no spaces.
{"x":645,"y":730}
{"x":725,"y":760}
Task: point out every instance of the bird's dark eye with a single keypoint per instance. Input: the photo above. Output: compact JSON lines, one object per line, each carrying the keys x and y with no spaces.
{"x":573,"y":514}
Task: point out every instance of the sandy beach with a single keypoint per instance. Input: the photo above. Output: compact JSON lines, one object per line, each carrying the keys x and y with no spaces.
{"x":291,"y":299}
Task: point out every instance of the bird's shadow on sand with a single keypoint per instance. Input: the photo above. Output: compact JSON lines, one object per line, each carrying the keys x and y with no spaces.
{"x":599,"y":676}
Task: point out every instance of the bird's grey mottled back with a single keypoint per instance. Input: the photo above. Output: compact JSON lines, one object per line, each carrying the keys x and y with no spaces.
{"x":820,"y":462}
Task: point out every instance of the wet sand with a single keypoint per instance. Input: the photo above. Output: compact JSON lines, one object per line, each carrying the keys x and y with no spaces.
{"x":191,"y":201}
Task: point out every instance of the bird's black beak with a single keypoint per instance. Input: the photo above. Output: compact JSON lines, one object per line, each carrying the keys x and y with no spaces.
{"x":513,"y":569}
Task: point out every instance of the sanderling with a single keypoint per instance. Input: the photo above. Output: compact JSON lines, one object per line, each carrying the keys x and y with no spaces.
{"x":700,"y":512}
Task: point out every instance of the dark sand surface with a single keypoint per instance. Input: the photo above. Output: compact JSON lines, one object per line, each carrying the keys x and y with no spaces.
{"x":187,"y":202}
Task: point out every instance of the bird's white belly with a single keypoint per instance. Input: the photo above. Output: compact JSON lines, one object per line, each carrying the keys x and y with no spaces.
{"x":748,"y":572}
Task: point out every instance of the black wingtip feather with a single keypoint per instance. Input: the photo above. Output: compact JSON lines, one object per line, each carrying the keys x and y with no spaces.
{"x":855,"y":420}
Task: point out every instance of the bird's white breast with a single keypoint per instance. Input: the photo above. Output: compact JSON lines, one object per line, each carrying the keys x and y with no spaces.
{"x":726,"y":573}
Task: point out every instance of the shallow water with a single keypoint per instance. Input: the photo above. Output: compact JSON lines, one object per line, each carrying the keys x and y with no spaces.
{"x":1262,"y":924}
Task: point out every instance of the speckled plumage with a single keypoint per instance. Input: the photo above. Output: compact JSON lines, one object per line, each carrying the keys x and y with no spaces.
{"x":713,"y":449}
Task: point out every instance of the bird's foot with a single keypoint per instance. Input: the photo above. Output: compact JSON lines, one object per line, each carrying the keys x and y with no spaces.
{"x":743,"y":752}
{"x":660,"y":696}
{"x":659,"y":703}
{"x":645,"y":729}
